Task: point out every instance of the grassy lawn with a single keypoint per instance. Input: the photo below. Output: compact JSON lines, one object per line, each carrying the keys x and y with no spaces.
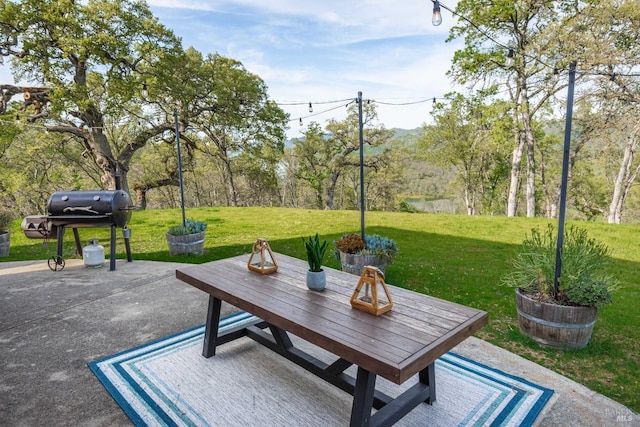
{"x":457,"y":258}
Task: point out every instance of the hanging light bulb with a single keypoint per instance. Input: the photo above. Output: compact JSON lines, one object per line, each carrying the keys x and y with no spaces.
{"x":434,"y":102}
{"x":437,"y":16}
{"x":509,"y":61}
{"x":310,"y":108}
{"x":145,"y":92}
{"x":241,"y":107}
{"x":300,"y":121}
{"x":17,"y":119}
{"x":556,"y":74}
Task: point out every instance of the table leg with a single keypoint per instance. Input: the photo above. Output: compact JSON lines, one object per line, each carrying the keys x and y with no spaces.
{"x":281,"y":337}
{"x":363,"y":398}
{"x":428,"y":376}
{"x":211,"y":327}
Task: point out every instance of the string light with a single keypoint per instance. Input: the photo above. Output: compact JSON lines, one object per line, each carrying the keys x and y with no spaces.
{"x":437,"y":16}
{"x":145,"y":93}
{"x":420,"y":100}
{"x":310,"y":108}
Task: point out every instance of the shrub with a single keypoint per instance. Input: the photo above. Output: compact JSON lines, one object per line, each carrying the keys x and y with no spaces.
{"x":584,"y":278}
{"x":373,"y":244}
{"x":5,"y":220}
{"x":190,"y":227}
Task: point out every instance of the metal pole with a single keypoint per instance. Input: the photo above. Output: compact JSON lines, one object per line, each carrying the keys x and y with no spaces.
{"x":565,"y":174}
{"x":360,"y":128}
{"x":175,"y":116}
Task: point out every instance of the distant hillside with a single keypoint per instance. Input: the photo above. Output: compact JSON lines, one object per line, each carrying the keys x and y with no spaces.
{"x":401,"y":137}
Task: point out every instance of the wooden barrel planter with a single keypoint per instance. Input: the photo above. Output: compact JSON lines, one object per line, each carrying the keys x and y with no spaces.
{"x":354,"y":264}
{"x":556,"y":326}
{"x":186,"y":244}
{"x":5,"y":243}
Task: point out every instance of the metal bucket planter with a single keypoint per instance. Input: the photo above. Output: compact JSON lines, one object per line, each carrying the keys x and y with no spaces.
{"x":556,"y":326}
{"x":186,"y":244}
{"x":5,"y":242}
{"x":354,"y":264}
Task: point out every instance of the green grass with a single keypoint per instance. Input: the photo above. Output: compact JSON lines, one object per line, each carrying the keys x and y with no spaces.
{"x":454,"y":257}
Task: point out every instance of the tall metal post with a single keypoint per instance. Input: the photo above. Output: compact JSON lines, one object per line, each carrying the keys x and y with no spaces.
{"x":565,"y":174}
{"x":175,"y":116}
{"x":360,"y":128}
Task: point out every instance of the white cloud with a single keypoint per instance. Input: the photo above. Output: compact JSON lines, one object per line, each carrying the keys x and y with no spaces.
{"x":312,"y":51}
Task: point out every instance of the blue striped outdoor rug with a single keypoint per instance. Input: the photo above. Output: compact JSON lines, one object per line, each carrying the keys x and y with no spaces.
{"x":168,"y":382}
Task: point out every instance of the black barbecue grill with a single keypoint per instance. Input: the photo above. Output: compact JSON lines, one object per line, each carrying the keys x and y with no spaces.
{"x":82,"y":209}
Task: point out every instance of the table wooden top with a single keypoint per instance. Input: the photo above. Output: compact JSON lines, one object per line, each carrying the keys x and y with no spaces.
{"x":396,"y":345}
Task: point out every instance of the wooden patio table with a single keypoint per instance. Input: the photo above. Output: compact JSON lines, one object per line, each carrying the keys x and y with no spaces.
{"x":397,"y":345}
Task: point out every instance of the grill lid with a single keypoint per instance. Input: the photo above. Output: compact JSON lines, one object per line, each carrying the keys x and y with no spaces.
{"x":112,"y":206}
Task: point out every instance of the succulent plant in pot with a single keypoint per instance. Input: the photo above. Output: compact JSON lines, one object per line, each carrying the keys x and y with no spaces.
{"x":187,"y":239}
{"x":316,"y":278}
{"x":355,"y":253}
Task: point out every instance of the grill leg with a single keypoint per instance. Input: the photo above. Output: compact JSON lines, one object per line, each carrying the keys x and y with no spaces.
{"x":112,"y":260}
{"x":76,"y":236}
{"x":60,"y":236}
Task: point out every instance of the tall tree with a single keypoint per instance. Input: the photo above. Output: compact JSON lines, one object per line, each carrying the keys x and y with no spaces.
{"x":231,"y":108}
{"x":88,"y":60}
{"x":470,"y":136}
{"x":532,"y":30}
{"x":313,"y":153}
{"x":611,"y":55}
{"x":344,"y":144}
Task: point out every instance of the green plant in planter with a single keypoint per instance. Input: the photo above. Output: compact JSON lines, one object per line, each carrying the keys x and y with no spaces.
{"x":374,"y":244}
{"x":584,"y":279}
{"x":350,"y":243}
{"x":5,"y":237}
{"x":315,"y":252}
{"x":5,"y":221}
{"x":190,"y":227}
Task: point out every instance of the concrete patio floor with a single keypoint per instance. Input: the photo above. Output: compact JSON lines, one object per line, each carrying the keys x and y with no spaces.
{"x":53,"y":323}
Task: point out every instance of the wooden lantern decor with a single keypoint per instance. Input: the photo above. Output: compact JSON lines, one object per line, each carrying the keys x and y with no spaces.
{"x":371,"y":279}
{"x":262,"y":260}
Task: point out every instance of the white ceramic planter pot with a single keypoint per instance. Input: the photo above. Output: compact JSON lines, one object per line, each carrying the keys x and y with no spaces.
{"x":316,"y":280}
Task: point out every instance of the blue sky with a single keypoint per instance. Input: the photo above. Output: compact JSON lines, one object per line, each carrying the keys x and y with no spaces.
{"x":325,"y":50}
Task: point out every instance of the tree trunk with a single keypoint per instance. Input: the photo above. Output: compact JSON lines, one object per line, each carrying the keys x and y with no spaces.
{"x":531,"y":160}
{"x":516,"y":161}
{"x":331,"y":189}
{"x":141,"y":198}
{"x":624,"y":178}
{"x":531,"y":175}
